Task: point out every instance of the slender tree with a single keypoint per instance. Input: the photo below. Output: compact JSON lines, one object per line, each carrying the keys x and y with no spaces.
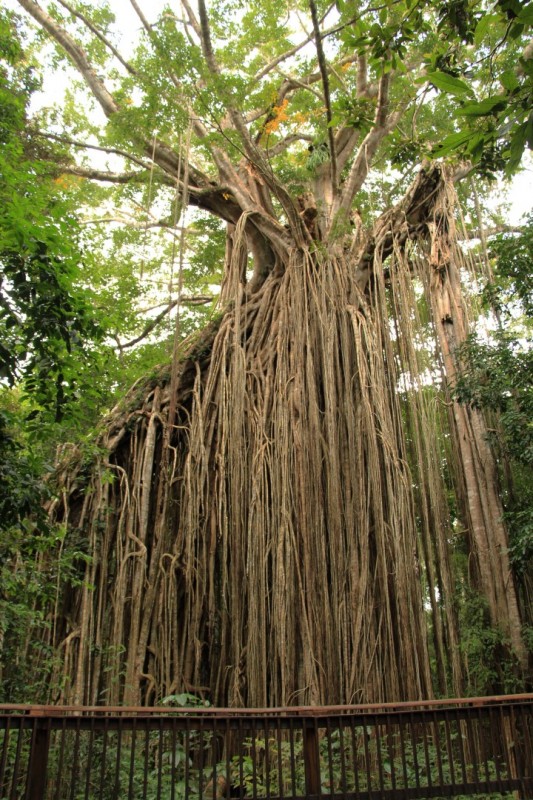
{"x":267,"y":521}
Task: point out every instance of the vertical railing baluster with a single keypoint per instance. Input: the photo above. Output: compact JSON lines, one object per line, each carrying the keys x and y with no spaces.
{"x":267,"y":758}
{"x":437,"y":748}
{"x":495,"y":747}
{"x":201,"y":756}
{"x":414,"y":745}
{"x":187,"y":756}
{"x":88,"y":762}
{"x":227,"y":751}
{"x":159,"y":757}
{"x":294,"y":788}
{"x":117,"y":780}
{"x":355,"y":755}
{"x":331,"y":776}
{"x":253,"y":751}
{"x":311,"y":757}
{"x":173,"y":761}
{"x":449,"y":747}
{"x":527,"y":763}
{"x":279,"y":740}
{"x":104,"y":758}
{"x":132,"y":740}
{"x":16,"y":764}
{"x":3,"y":759}
{"x":481,"y":742}
{"x":472,"y":748}
{"x":391,"y":752}
{"x":368,"y":766}
{"x":379,"y":757}
{"x":38,"y":759}
{"x":344,"y":777}
{"x":146,"y":758}
{"x":461,"y":749}
{"x":427,"y":759}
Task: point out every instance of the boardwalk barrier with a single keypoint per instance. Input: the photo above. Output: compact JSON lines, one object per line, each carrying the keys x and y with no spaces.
{"x":477,"y":747}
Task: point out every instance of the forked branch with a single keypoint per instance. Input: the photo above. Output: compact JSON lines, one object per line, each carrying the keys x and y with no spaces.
{"x":98,"y":33}
{"x":325,"y":85}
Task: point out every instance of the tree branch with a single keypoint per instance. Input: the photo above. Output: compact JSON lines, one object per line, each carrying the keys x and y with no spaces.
{"x":102,"y":175}
{"x":207,"y":45}
{"x":75,"y":53}
{"x":174,"y":230}
{"x":86,"y":146}
{"x":195,"y":25}
{"x":256,"y":157}
{"x":362,"y":75}
{"x":146,"y":25}
{"x":288,"y":53}
{"x":164,"y":156}
{"x":325,"y":84}
{"x":363,"y":160}
{"x":281,"y":146}
{"x":98,"y":33}
{"x":198,"y":300}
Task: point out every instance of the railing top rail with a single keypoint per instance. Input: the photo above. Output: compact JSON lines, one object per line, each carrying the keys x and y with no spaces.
{"x":298,"y":711}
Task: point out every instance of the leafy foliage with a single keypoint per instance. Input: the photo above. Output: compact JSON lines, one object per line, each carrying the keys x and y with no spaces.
{"x":47,"y":327}
{"x":495,"y":127}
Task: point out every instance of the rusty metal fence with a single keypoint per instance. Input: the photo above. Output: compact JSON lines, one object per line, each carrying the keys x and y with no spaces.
{"x":479,"y":747}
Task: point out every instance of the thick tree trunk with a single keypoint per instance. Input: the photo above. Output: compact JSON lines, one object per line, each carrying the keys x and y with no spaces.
{"x":483,"y":506}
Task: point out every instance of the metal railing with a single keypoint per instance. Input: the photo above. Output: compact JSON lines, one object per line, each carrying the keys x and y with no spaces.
{"x":469,"y":747}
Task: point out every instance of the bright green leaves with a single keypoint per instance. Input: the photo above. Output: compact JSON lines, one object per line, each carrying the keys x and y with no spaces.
{"x":355,"y":112}
{"x":23,"y":490}
{"x":513,"y":280}
{"x":496,"y":128}
{"x":386,"y":35}
{"x":460,"y":17}
{"x":17,"y":80}
{"x":450,"y":84}
{"x":46,"y":323}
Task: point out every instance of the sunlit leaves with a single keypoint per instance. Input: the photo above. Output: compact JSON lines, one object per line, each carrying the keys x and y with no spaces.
{"x":500,"y":123}
{"x":449,"y":84}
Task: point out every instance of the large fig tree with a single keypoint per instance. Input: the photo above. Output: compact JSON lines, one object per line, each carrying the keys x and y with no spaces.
{"x":268,"y":519}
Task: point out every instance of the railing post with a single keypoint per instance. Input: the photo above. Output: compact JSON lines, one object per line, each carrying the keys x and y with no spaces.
{"x":311,"y":758}
{"x":38,"y":762}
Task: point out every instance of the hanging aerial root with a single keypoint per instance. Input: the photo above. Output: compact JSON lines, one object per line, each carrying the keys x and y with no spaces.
{"x":286,"y":539}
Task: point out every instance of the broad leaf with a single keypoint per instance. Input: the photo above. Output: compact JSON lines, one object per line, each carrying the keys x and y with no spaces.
{"x":489,"y":105}
{"x":449,"y":84}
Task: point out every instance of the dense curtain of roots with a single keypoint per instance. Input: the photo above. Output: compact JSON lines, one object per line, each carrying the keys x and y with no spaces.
{"x":284,"y":539}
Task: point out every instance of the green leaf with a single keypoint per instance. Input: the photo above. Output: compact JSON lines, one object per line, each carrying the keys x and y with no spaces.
{"x":489,"y":105}
{"x":518,"y":143}
{"x":483,"y":26}
{"x":451,"y":143}
{"x":475,"y":145}
{"x":526,"y":14}
{"x":449,"y":84}
{"x":509,"y":80}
